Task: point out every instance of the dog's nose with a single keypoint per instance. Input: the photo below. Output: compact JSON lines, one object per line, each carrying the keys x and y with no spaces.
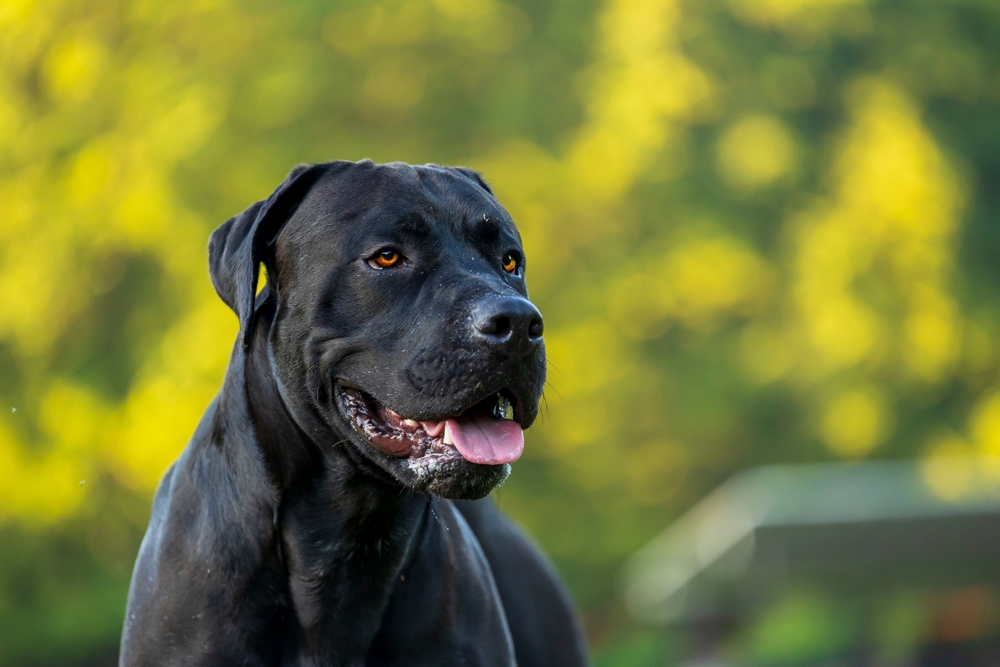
{"x":511,"y":321}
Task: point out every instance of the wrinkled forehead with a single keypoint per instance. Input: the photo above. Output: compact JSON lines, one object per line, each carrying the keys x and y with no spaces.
{"x":356,"y":200}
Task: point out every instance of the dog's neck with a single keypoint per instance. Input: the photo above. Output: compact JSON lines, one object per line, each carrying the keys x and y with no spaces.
{"x":334,"y":522}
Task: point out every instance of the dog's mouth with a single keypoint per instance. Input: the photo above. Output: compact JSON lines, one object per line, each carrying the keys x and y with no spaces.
{"x":487,"y":432}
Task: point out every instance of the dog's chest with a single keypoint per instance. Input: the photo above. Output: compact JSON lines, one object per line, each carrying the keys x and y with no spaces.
{"x":426,"y":600}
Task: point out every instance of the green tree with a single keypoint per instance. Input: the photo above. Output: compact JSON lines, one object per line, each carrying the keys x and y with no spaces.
{"x":760,"y":231}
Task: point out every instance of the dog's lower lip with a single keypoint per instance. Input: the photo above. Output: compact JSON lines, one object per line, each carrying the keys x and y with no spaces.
{"x":398,"y":438}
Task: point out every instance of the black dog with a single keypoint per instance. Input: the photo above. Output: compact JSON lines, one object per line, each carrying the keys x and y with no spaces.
{"x":390,"y":363}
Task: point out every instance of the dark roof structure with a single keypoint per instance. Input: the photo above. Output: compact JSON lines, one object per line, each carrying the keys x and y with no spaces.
{"x":855,"y":526}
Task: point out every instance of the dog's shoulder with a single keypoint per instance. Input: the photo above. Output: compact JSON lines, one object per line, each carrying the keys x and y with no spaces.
{"x":196,"y":560}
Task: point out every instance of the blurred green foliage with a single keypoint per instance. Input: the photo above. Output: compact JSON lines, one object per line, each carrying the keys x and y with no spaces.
{"x":760,"y":231}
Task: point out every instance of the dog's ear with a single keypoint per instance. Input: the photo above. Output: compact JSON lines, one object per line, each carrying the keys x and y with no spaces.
{"x":241,"y":243}
{"x":475,"y":177}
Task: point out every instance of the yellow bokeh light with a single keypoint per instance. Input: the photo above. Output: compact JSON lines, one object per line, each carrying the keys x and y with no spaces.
{"x":755,"y":152}
{"x":890,"y":224}
{"x":74,"y":66}
{"x":985,"y":426}
{"x":698,"y":282}
{"x":783,"y":12}
{"x":856,"y":421}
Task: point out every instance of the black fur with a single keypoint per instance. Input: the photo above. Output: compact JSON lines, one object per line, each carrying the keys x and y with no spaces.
{"x":280,"y":536}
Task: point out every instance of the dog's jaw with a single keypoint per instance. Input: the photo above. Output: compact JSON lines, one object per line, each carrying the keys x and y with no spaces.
{"x":417,"y":454}
{"x":486,"y":432}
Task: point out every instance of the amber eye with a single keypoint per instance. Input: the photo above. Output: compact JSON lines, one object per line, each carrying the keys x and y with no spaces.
{"x":384,"y":259}
{"x":510,"y":262}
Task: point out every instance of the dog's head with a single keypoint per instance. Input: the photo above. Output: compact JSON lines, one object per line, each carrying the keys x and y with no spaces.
{"x":401,"y":319}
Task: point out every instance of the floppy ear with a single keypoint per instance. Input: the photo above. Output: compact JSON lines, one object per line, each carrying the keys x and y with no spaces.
{"x":475,"y":177}
{"x":240,"y":244}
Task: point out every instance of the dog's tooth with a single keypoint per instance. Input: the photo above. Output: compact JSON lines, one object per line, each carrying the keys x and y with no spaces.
{"x":447,"y":439}
{"x":503,"y":409}
{"x":433,"y":429}
{"x":412,"y":423}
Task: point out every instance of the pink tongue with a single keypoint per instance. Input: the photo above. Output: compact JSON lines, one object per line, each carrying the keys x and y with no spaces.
{"x":484,"y":439}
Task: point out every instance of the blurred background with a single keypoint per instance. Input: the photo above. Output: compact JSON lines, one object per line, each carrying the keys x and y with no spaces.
{"x":761,"y":231}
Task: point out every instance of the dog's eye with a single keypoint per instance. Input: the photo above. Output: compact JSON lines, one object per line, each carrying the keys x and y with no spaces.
{"x":510,"y":262}
{"x":385,"y":258}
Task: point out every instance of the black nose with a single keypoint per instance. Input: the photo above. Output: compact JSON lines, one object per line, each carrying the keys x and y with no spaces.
{"x":509,"y":321}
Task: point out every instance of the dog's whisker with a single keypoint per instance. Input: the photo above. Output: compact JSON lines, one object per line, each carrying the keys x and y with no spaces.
{"x":545,"y":402}
{"x":556,"y":391}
